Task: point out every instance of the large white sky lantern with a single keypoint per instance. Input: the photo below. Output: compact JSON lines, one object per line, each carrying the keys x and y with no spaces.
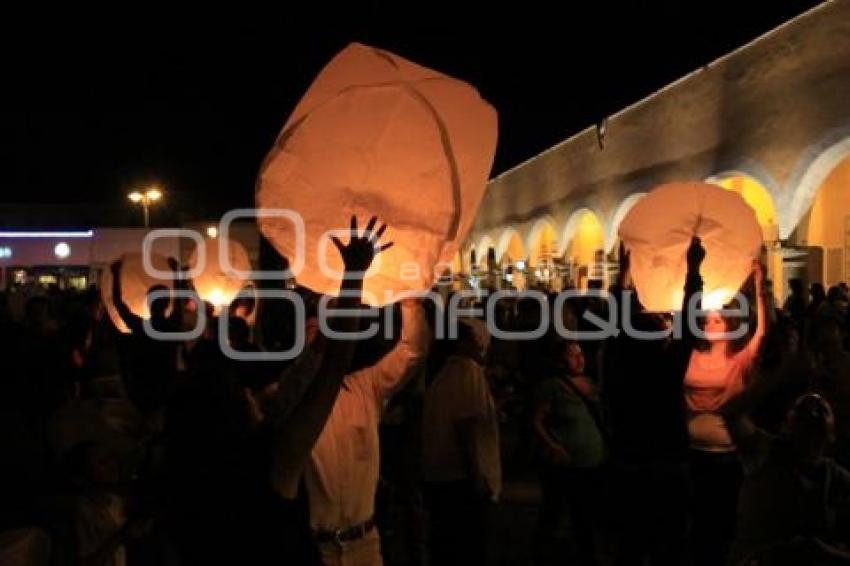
{"x":135,"y":284}
{"x":658,"y":231}
{"x":219,"y":282}
{"x":378,"y":135}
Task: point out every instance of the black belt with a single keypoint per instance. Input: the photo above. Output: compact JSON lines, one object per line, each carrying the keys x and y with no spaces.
{"x":341,"y":536}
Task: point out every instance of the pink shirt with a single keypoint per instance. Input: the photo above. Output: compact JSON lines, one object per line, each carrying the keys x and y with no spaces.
{"x":710,"y":382}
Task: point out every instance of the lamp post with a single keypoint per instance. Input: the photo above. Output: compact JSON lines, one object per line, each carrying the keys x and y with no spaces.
{"x":145,"y":200}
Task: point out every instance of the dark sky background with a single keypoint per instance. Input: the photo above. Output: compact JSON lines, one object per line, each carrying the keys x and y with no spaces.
{"x":95,"y":104}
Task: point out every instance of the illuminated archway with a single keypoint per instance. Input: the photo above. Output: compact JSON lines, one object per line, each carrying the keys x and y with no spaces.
{"x":757,"y":196}
{"x":582,"y":240}
{"x":510,"y":248}
{"x":542,"y":243}
{"x":583,"y":236}
{"x":811,"y":175}
{"x":828,"y":225}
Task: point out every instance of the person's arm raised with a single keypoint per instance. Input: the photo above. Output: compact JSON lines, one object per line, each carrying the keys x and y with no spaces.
{"x":682,"y":349}
{"x":624,"y":278}
{"x":753,"y":346}
{"x":133,"y":322}
{"x":181,"y":284}
{"x":304,"y":423}
{"x":399,"y":364}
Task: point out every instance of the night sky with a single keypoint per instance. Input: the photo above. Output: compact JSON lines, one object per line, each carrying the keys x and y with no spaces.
{"x":96,"y":104}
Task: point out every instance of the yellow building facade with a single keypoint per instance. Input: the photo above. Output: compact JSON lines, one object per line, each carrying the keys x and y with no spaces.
{"x":769,"y":121}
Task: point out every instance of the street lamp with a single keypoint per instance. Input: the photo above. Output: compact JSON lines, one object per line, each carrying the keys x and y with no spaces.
{"x":145,"y":200}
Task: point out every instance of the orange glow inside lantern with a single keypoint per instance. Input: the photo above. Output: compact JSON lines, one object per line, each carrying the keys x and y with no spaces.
{"x":658,"y":230}
{"x":135,"y":284}
{"x":217,"y":284}
{"x":378,"y":135}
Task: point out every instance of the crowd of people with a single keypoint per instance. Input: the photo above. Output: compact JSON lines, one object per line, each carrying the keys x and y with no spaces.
{"x":123,"y":449}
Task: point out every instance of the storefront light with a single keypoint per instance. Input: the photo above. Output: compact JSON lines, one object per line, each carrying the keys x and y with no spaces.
{"x":46,"y":234}
{"x":62,"y":250}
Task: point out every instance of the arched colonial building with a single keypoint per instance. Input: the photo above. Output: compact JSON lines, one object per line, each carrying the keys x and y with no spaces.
{"x":770,"y":121}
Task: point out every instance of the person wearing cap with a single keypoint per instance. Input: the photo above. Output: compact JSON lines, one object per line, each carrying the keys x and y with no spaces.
{"x":461,"y":462}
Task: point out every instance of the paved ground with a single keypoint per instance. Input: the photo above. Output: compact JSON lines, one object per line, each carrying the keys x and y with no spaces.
{"x":512,"y":526}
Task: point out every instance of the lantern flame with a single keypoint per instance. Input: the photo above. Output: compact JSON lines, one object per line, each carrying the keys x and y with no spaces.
{"x":216,"y":297}
{"x":717,"y":299}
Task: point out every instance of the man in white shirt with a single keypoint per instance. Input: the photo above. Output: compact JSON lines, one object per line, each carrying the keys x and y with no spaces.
{"x":461,"y":457}
{"x":342,"y":475}
{"x":309,"y":408}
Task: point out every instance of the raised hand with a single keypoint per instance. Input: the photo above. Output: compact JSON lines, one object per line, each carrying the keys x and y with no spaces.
{"x":358,"y":254}
{"x":696,"y":254}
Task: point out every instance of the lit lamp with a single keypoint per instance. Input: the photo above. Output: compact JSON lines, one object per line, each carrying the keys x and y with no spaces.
{"x":145,"y":200}
{"x":658,"y":230}
{"x":62,"y":250}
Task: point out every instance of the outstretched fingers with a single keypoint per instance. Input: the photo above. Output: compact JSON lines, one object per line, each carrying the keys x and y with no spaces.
{"x":379,"y":233}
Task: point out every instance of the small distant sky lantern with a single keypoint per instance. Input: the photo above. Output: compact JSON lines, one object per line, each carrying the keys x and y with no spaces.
{"x":378,"y":135}
{"x":658,"y":231}
{"x":135,"y":284}
{"x":217,"y":284}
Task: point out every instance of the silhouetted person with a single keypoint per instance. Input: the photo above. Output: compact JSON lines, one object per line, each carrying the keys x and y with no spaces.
{"x":461,"y":458}
{"x":326,"y":418}
{"x":95,"y":355}
{"x":818,"y":299}
{"x":152,"y":366}
{"x":797,"y":302}
{"x":104,"y":526}
{"x":643,"y":387}
{"x":568,"y":422}
{"x":791,"y":490}
{"x":831,"y":372}
{"x":41,"y":367}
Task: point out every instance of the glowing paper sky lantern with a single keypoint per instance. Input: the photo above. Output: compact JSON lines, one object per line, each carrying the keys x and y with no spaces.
{"x":135,"y":283}
{"x":216,"y":283}
{"x":658,"y":231}
{"x":378,"y":135}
